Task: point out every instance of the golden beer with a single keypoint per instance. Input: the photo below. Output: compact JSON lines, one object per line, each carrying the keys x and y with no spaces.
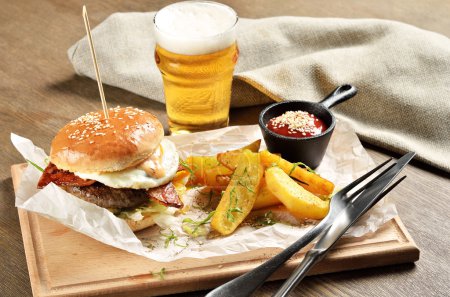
{"x":197,"y":88}
{"x":197,"y":84}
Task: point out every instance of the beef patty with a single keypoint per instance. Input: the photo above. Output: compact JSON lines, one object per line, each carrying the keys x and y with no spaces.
{"x":108,"y":197}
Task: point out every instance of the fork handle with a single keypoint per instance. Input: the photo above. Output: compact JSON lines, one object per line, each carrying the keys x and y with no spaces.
{"x":311,"y":258}
{"x":249,"y":282}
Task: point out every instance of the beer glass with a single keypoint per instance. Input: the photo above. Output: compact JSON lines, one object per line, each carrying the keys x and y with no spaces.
{"x":196,"y":53}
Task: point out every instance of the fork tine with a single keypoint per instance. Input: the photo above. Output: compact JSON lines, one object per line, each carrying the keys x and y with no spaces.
{"x":360,"y":179}
{"x":366,"y":200}
{"x":356,"y":193}
{"x":388,"y":190}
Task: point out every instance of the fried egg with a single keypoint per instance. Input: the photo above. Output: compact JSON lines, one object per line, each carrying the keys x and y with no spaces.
{"x":137,"y":177}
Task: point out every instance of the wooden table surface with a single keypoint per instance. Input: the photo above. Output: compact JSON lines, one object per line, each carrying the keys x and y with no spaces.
{"x":39,"y":93}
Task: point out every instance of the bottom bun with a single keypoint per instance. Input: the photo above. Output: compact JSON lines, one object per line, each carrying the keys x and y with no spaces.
{"x":141,"y":224}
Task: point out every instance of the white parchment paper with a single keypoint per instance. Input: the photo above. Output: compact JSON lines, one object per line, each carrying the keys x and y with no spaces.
{"x":345,"y":160}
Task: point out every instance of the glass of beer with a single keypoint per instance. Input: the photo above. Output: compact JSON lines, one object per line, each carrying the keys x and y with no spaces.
{"x":196,"y":53}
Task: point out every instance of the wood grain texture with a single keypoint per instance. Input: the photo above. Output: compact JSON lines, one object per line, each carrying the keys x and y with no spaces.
{"x":39,"y":93}
{"x":97,"y":269}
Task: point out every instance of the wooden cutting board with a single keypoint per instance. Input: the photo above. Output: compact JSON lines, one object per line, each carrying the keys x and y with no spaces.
{"x":63,"y":262}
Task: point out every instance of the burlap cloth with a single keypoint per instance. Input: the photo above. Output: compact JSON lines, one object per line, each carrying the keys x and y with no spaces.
{"x":402,"y":72}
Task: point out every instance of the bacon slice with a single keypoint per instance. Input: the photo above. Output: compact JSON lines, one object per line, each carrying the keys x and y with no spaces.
{"x":166,"y":195}
{"x":61,"y":178}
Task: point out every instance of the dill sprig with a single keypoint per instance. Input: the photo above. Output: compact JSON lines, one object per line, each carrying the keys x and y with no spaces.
{"x":190,"y":169}
{"x":35,"y":165}
{"x":301,"y":165}
{"x":232,"y":208}
{"x":187,"y":223}
{"x":186,"y":166}
{"x":172,"y":237}
{"x":241,"y":183}
{"x":268,"y":219}
{"x":161,"y":273}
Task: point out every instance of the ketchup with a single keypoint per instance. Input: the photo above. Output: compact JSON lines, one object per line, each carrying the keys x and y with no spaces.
{"x":297,"y":124}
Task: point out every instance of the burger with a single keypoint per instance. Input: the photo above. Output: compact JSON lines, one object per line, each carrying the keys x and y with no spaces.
{"x":122,"y":163}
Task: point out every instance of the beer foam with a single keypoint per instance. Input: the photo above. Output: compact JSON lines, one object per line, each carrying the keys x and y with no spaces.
{"x":195,"y":27}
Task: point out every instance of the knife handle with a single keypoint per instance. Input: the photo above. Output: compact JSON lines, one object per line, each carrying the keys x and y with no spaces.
{"x":311,"y":258}
{"x":246,"y":284}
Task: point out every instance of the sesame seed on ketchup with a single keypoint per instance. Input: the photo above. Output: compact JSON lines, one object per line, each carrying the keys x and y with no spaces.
{"x":296,"y":124}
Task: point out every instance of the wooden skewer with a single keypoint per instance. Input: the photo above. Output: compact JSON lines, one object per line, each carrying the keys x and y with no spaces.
{"x":94,"y":60}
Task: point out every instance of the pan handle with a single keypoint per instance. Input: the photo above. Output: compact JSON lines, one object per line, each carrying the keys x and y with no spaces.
{"x":339,"y":95}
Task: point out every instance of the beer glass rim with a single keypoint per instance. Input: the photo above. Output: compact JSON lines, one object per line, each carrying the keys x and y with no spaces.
{"x":199,"y":1}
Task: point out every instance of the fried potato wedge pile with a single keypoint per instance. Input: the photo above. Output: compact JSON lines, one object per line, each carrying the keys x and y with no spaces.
{"x":252,"y":180}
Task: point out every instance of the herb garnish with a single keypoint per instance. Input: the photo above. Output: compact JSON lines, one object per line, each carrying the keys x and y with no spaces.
{"x":188,"y":223}
{"x":268,"y":219}
{"x":148,"y":245}
{"x":231,"y":209}
{"x":161,"y":273}
{"x":245,"y":185}
{"x":189,"y":169}
{"x":171,"y":237}
{"x":35,"y":165}
{"x":186,"y":166}
{"x":302,"y":165}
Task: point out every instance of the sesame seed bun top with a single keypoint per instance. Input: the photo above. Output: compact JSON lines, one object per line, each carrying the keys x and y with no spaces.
{"x":93,"y":143}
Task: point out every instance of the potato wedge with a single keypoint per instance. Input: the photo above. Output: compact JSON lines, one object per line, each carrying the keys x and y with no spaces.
{"x":204,"y":170}
{"x":215,"y":176}
{"x":179,"y":181}
{"x":230,"y":159}
{"x":265,"y":197}
{"x":181,"y":190}
{"x":253,"y":147}
{"x":181,"y":177}
{"x":223,"y":180}
{"x":309,"y":180}
{"x":299,"y":202}
{"x":240,"y":195}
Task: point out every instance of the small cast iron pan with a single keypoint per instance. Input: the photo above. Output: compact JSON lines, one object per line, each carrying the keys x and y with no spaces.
{"x":309,"y":150}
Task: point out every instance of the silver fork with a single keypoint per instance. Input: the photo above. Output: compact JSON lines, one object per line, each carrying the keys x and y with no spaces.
{"x":247,"y":283}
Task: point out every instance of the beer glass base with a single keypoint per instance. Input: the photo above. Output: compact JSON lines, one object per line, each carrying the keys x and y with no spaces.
{"x":176,"y":129}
